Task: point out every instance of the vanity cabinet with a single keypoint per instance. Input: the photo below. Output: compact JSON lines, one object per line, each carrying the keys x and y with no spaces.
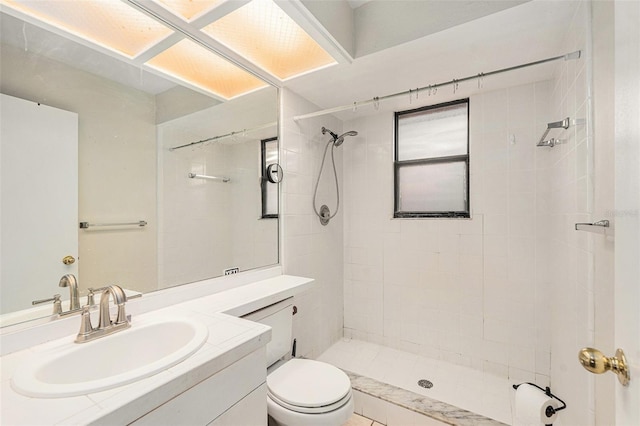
{"x":233,"y":396}
{"x":252,"y":410}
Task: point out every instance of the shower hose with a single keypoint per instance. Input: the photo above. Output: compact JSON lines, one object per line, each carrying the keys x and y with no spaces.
{"x":335,"y":175}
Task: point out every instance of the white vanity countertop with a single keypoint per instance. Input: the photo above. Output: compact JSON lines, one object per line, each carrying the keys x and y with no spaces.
{"x":229,"y":340}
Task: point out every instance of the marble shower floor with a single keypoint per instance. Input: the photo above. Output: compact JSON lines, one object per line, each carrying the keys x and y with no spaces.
{"x":472,"y":390}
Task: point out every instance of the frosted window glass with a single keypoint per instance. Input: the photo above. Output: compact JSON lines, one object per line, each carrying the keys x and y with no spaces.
{"x":433,"y":133}
{"x":432,"y":187}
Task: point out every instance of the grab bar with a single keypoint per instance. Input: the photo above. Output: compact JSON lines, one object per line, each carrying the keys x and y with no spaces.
{"x":86,"y":225}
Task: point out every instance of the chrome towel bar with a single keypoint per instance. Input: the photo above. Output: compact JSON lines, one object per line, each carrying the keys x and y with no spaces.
{"x":222,"y":178}
{"x":86,"y":225}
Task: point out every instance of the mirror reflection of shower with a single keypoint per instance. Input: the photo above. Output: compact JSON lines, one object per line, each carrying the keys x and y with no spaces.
{"x":325,"y":214}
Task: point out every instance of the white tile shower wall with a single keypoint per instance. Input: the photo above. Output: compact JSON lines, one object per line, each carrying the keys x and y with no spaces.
{"x":464,"y":291}
{"x":574,"y":256}
{"x":309,"y":248}
{"x":207,"y":226}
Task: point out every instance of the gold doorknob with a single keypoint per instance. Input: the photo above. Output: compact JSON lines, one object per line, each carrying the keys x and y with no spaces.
{"x":594,"y":361}
{"x":68,"y":260}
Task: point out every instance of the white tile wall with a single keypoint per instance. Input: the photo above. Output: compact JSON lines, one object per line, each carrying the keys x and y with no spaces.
{"x":574,"y":259}
{"x":207,"y":226}
{"x":310,"y":249}
{"x":510,"y":291}
{"x":457,"y":290}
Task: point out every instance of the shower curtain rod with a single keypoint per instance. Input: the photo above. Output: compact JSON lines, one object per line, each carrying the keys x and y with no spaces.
{"x":566,"y":57}
{"x":227,"y":135}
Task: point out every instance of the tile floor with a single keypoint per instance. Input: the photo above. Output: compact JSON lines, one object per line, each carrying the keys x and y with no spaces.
{"x":357,"y":420}
{"x":473,"y":390}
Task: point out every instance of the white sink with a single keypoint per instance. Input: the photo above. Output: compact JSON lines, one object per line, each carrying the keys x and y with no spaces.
{"x":124,"y":357}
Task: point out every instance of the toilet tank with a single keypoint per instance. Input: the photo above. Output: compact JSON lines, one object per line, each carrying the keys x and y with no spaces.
{"x":279,"y":317}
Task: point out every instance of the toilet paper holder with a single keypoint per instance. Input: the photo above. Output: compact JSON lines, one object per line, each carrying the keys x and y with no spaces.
{"x":550,"y":410}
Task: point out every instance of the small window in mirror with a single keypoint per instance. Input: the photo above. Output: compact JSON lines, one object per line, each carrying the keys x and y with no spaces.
{"x":269,"y":186}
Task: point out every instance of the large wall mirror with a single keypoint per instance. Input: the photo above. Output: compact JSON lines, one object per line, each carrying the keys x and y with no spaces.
{"x":159,"y":153}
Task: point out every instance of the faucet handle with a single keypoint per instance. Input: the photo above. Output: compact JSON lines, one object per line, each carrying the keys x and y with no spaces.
{"x":90,"y":296}
{"x":57,"y":303}
{"x":85,"y":325}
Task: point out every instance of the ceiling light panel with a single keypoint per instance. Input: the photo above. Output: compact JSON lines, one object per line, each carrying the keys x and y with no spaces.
{"x":189,"y":9}
{"x":264,"y":34}
{"x":108,"y":23}
{"x":195,"y":65}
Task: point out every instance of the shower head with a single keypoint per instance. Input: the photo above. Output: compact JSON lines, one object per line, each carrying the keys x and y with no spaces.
{"x":338,"y":140}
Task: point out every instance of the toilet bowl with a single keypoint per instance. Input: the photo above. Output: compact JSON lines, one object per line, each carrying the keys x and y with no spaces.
{"x":308,"y":392}
{"x":300,"y":392}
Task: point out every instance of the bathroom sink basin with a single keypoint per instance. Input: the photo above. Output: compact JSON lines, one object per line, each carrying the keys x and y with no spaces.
{"x":124,"y":357}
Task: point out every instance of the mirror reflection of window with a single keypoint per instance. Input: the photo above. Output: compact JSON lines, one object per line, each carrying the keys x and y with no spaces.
{"x":269,"y":188}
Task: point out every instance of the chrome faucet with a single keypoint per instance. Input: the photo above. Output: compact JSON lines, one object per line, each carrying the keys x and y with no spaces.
{"x":105,"y":325}
{"x":70,"y":281}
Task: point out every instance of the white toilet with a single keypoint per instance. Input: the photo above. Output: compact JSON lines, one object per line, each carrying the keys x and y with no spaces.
{"x":300,"y":392}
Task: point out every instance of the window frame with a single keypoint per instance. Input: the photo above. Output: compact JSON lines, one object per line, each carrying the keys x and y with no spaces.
{"x":264,"y":181}
{"x":397,"y":165}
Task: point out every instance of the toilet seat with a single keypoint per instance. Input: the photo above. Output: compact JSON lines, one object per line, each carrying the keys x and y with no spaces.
{"x":311,"y":410}
{"x":309,"y":387}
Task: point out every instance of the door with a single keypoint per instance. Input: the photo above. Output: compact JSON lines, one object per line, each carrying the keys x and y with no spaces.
{"x":39,"y":200}
{"x":627,"y":194}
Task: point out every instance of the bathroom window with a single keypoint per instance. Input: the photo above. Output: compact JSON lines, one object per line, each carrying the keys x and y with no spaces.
{"x":269,"y":188}
{"x":432,"y":161}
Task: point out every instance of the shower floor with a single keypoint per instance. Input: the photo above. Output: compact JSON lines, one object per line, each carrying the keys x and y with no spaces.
{"x":472,"y":390}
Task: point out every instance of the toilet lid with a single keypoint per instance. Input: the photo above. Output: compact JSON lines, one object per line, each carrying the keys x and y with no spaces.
{"x":308,"y":383}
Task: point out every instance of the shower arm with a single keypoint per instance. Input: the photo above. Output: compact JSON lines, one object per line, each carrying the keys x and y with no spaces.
{"x":564,"y":124}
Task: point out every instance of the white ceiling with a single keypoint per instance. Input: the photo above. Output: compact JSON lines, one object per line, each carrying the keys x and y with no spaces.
{"x":525,"y":33}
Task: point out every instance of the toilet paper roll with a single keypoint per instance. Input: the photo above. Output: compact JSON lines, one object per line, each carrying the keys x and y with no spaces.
{"x":531,"y":407}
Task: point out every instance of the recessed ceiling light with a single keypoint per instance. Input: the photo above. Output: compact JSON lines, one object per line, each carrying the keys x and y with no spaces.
{"x":111,"y":24}
{"x":189,"y":9}
{"x":191,"y":63}
{"x":264,"y":34}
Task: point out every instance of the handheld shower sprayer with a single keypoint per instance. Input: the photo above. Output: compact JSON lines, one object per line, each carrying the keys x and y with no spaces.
{"x":338,"y":140}
{"x":325,"y":214}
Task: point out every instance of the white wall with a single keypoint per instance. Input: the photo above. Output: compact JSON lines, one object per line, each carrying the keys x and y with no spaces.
{"x":117,"y":164}
{"x":310,"y":249}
